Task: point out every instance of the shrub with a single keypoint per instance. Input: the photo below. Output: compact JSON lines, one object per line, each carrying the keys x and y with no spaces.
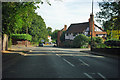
{"x":112,"y":42}
{"x":98,"y":40}
{"x":21,"y":36}
{"x":80,"y":41}
{"x":101,"y":45}
{"x":67,"y":44}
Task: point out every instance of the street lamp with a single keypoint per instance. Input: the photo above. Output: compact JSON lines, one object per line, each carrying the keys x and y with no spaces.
{"x":91,"y":20}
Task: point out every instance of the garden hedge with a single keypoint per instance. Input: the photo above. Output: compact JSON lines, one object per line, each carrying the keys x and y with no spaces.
{"x":21,"y":36}
{"x":112,"y":42}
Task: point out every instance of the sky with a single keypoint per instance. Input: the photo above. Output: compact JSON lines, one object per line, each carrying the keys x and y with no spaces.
{"x":66,"y":12}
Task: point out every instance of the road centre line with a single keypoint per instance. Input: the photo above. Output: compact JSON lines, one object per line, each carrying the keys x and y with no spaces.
{"x":84,"y":62}
{"x":89,"y":76}
{"x":102,"y":76}
{"x":68,"y":62}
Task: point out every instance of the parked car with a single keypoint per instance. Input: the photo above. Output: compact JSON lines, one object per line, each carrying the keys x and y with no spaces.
{"x":41,"y":44}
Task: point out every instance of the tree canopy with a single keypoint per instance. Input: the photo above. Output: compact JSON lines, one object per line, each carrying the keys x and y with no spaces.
{"x":54,"y":35}
{"x":108,"y":15}
{"x":20,"y":18}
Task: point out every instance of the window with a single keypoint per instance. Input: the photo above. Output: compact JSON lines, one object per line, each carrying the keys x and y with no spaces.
{"x":96,"y":34}
{"x":67,"y":34}
{"x":74,"y":34}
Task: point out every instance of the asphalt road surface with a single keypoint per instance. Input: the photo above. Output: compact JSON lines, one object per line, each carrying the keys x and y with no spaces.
{"x":51,"y":62}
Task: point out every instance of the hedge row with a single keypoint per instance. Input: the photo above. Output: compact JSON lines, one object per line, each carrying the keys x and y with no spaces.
{"x":21,"y":36}
{"x":112,"y":42}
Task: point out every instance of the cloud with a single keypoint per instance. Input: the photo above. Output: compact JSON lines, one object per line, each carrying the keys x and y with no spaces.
{"x":65,"y":12}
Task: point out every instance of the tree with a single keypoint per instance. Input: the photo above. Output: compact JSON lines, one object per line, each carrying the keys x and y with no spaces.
{"x":17,"y":16}
{"x":109,"y":15}
{"x":38,"y":29}
{"x":49,"y":29}
{"x":81,"y":41}
{"x":54,"y":34}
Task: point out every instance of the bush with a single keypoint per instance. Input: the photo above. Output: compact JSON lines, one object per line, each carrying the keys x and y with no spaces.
{"x":98,"y":40}
{"x":80,"y":41}
{"x":112,"y":42}
{"x":21,"y":36}
{"x":101,"y":45}
{"x":67,"y":44}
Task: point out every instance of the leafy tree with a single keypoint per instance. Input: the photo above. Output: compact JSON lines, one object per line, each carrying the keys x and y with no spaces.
{"x":81,"y":41}
{"x":49,"y":29}
{"x":17,"y":16}
{"x":38,"y":29}
{"x":54,"y":35}
{"x":108,"y":15}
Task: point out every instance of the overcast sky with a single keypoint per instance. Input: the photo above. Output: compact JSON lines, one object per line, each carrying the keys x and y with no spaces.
{"x":66,"y":12}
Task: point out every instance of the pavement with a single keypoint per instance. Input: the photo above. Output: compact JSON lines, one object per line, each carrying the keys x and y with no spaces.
{"x":101,"y":54}
{"x":12,"y":55}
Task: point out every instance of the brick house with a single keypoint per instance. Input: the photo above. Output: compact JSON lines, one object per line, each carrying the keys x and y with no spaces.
{"x":59,"y":34}
{"x":84,"y":28}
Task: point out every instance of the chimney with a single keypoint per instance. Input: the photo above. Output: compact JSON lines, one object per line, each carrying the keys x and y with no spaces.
{"x":90,"y":23}
{"x":65,"y":27}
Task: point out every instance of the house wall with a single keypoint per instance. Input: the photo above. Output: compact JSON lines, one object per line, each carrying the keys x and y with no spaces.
{"x":69,"y":36}
{"x":97,"y":29}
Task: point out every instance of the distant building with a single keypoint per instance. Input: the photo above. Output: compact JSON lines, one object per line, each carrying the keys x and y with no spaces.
{"x":49,"y":38}
{"x":84,"y":28}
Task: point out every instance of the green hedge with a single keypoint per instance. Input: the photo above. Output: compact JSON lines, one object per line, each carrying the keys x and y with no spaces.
{"x":112,"y":42}
{"x":21,"y":36}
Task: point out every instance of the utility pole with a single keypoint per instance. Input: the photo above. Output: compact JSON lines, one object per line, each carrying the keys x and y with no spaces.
{"x":91,"y":24}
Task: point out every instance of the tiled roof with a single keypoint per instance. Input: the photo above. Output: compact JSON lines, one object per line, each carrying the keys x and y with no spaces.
{"x":76,"y":28}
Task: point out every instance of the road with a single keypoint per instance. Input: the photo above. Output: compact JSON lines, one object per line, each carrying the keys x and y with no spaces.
{"x":51,"y":62}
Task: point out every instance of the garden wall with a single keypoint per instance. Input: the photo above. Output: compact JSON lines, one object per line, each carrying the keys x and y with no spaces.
{"x":111,"y":51}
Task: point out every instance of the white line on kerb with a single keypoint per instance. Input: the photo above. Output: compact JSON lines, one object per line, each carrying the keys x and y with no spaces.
{"x":69,"y":62}
{"x":102,"y":76}
{"x":89,"y":76}
{"x":84,"y":62}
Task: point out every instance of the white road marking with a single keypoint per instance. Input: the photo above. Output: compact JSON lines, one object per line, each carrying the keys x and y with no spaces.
{"x":84,"y":62}
{"x":69,"y":62}
{"x":58,"y":55}
{"x":89,"y":76}
{"x":102,"y":76}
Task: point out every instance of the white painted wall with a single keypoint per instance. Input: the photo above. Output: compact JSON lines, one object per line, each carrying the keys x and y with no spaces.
{"x":97,"y":29}
{"x":71,"y":37}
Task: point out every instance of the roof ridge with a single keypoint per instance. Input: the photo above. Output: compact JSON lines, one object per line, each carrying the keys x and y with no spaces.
{"x":79,"y":23}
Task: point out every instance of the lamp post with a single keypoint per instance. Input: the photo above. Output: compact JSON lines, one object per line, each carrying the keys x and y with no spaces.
{"x":91,"y":24}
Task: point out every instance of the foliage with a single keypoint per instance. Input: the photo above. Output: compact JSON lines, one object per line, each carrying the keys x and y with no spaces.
{"x":21,"y":36}
{"x":80,"y":41}
{"x":115,"y":33}
{"x":38,"y":29}
{"x":20,"y":18}
{"x":112,"y":42}
{"x":62,"y":37}
{"x":17,"y":16}
{"x":108,"y":15}
{"x":67,"y":44}
{"x":54,"y":35}
{"x":49,"y":29}
{"x":101,"y":45}
{"x":99,"y":40}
